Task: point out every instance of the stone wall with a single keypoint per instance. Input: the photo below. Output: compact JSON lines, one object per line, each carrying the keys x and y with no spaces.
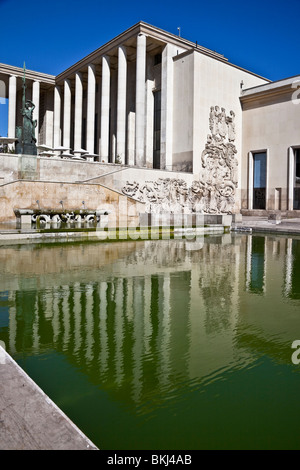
{"x":25,"y":194}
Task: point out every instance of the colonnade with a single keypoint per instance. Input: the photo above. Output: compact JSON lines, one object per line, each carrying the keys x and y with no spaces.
{"x":133,"y":130}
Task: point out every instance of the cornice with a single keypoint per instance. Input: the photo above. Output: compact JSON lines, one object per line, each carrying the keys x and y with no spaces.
{"x":29,"y":74}
{"x":283,"y":88}
{"x":139,"y":28}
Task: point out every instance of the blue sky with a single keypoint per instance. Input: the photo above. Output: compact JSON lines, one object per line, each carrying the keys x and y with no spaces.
{"x":261,"y":36}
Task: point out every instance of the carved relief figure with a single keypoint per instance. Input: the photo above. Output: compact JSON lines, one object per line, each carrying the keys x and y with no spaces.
{"x":219,"y":163}
{"x":231,"y":126}
{"x":223,"y":124}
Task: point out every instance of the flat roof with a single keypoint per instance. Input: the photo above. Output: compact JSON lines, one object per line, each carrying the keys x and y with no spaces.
{"x":283,"y":84}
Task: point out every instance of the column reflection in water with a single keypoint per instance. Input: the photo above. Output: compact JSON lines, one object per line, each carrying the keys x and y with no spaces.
{"x":147,"y":316}
{"x":35,"y":327}
{"x":89,"y":323}
{"x":137,"y":347}
{"x":149,"y":321}
{"x":77,"y":319}
{"x":164,"y":327}
{"x":55,"y":316}
{"x":119,"y":332}
{"x":65,"y":312}
{"x":103,"y":356}
{"x":292,"y":269}
{"x":12,"y":324}
{"x":256,"y":264}
{"x":296,"y":270}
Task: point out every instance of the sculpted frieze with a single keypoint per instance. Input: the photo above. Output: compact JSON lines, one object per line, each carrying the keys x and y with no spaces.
{"x":215,"y":190}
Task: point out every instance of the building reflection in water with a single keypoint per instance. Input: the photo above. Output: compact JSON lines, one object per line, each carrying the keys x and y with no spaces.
{"x":147,"y":318}
{"x":292,"y":269}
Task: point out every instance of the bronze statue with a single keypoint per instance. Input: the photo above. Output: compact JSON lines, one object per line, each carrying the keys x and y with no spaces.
{"x":26,"y":143}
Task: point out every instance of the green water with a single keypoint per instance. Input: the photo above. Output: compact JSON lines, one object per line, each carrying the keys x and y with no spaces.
{"x":161,"y":344}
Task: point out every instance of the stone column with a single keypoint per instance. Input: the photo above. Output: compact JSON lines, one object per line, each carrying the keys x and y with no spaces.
{"x":105,"y":92}
{"x":90,"y":115}
{"x":56,"y":117}
{"x":167,"y":106}
{"x":291,"y":179}
{"x":78,"y":111}
{"x":67,"y":113}
{"x":149,"y":122}
{"x":140,"y":100}
{"x":12,"y":97}
{"x":250,"y":180}
{"x":36,"y":102}
{"x":48,"y":118}
{"x":121,"y":104}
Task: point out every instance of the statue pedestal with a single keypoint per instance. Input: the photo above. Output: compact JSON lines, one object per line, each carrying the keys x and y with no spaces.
{"x":26,"y":149}
{"x":28,"y":168}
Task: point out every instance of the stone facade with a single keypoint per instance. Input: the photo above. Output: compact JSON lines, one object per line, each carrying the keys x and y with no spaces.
{"x":271,"y":123}
{"x":150,"y":100}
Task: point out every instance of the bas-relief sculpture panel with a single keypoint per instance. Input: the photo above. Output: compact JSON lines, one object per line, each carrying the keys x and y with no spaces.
{"x":214,"y":192}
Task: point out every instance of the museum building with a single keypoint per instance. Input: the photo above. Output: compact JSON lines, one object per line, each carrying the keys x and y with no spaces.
{"x":179,"y":126}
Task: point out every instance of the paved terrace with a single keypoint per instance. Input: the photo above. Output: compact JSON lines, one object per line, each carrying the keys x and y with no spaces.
{"x":29,"y":420}
{"x":263,"y":225}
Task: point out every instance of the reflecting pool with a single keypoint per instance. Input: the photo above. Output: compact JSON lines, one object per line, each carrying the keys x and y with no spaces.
{"x":161,"y":344}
